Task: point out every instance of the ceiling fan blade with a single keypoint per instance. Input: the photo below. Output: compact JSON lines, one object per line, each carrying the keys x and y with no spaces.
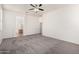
{"x":40,"y":5}
{"x":41,"y":9}
{"x":32,"y":5}
{"x":31,"y":9}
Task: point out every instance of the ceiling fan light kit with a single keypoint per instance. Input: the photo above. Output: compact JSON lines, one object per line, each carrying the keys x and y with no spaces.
{"x":36,"y":7}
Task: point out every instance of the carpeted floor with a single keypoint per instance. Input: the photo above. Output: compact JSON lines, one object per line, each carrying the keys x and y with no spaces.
{"x":37,"y":44}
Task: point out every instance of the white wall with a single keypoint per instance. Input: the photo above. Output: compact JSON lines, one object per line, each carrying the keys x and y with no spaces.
{"x":0,"y":24}
{"x":9,"y":24}
{"x":31,"y":25}
{"x":12,"y":19}
{"x":62,"y":24}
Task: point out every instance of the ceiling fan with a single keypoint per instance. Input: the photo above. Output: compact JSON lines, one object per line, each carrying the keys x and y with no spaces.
{"x":36,"y":7}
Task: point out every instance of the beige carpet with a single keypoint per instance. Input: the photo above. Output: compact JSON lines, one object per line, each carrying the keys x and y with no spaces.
{"x":37,"y":44}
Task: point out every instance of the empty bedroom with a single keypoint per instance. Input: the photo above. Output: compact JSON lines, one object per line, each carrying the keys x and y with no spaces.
{"x":39,"y":28}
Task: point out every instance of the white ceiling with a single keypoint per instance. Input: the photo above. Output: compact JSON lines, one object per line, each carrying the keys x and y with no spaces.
{"x":25,"y":7}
